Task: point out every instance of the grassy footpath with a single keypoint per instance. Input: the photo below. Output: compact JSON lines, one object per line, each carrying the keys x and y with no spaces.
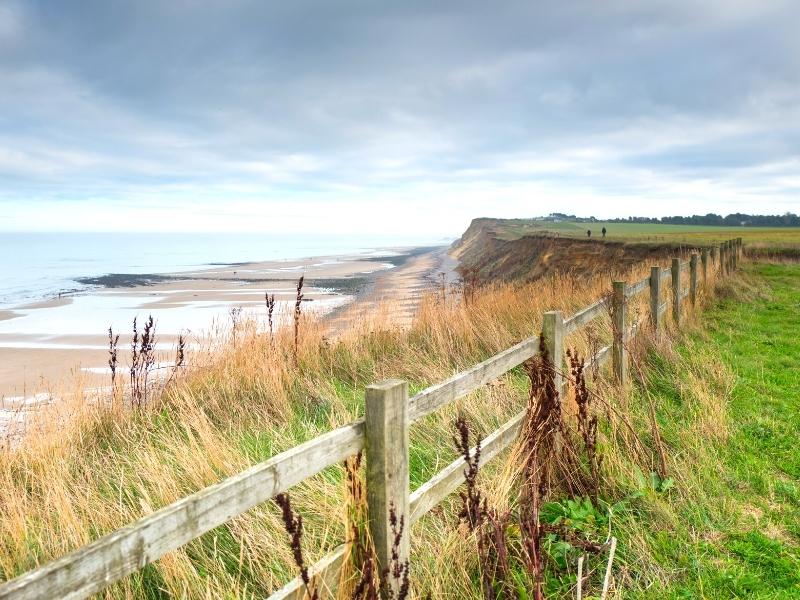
{"x":738,"y":535}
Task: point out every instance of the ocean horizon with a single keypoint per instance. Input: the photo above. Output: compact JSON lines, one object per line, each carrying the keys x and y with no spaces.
{"x":39,"y":266}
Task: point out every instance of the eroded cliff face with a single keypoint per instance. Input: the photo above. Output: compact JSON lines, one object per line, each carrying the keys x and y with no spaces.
{"x":489,"y":251}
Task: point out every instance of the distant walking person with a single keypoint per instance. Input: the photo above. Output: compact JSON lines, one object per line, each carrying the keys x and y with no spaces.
{"x":604,"y":232}
{"x":588,"y":233}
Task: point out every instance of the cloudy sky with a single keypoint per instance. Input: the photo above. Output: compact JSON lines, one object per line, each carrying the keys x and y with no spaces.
{"x":387,"y":116}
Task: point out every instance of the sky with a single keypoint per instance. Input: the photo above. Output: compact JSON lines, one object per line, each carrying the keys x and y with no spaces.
{"x":387,"y":117}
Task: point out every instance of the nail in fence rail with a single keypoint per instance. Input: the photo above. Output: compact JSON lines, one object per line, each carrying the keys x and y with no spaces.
{"x":384,"y":433}
{"x":619,"y":353}
{"x":386,"y":417}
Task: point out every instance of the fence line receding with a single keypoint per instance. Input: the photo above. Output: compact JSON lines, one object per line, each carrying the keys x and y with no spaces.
{"x":384,"y":435}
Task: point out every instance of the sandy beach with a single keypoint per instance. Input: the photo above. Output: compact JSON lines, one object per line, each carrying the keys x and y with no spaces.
{"x":61,"y":343}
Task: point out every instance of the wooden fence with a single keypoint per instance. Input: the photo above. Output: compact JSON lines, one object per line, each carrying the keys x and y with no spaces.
{"x":383,"y":434}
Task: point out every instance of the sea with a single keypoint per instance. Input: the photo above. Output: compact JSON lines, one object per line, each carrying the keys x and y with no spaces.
{"x":38,"y":266}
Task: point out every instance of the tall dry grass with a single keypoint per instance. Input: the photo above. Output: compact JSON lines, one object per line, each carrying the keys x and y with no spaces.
{"x":87,"y":468}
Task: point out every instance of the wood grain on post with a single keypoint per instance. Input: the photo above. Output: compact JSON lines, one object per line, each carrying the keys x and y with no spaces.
{"x":704,"y":263}
{"x":728,"y":253}
{"x":676,"y":290}
{"x":619,"y":355}
{"x":553,"y":334}
{"x":727,"y":247}
{"x":693,"y":279}
{"x":386,"y":428}
{"x":738,"y":250}
{"x":655,"y":296}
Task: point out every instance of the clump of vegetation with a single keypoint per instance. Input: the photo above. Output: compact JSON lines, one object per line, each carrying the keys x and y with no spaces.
{"x":293,"y":523}
{"x":113,"y":341}
{"x":270,"y":302}
{"x":586,"y":420}
{"x":518,"y":550}
{"x":297,"y":303}
{"x":472,"y":512}
{"x":143,"y":359}
{"x":235,"y":314}
{"x":394,"y":582}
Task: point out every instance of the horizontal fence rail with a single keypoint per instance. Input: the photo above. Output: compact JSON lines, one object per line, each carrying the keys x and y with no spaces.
{"x":586,"y":315}
{"x":96,"y":566}
{"x":101,"y":563}
{"x":431,"y":399}
{"x":637,"y":287}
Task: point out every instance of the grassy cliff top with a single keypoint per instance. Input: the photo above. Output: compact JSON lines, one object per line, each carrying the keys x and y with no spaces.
{"x":511,"y":229}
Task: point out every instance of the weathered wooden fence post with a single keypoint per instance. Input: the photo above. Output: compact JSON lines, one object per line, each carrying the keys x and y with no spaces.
{"x":723,"y":258}
{"x":619,"y":352}
{"x":693,"y":279}
{"x":655,"y":298}
{"x":732,"y":254}
{"x":676,"y":290}
{"x":728,"y":257}
{"x":704,"y":263}
{"x":715,"y":258}
{"x":386,"y":426}
{"x":738,"y":251}
{"x":553,"y":334}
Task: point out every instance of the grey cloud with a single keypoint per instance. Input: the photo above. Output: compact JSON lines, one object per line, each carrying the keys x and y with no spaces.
{"x":107,"y":98}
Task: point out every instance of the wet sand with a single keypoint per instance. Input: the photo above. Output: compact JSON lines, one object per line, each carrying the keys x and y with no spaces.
{"x":50,"y":345}
{"x":399,"y":290}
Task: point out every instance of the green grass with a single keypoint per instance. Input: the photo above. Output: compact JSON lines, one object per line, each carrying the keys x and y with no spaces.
{"x":650,"y":232}
{"x":738,"y":534}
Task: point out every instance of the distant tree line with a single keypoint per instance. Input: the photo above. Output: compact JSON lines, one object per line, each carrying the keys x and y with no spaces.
{"x":733,"y":220}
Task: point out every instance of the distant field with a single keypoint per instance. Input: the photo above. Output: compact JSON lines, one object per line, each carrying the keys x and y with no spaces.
{"x":652,"y":232}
